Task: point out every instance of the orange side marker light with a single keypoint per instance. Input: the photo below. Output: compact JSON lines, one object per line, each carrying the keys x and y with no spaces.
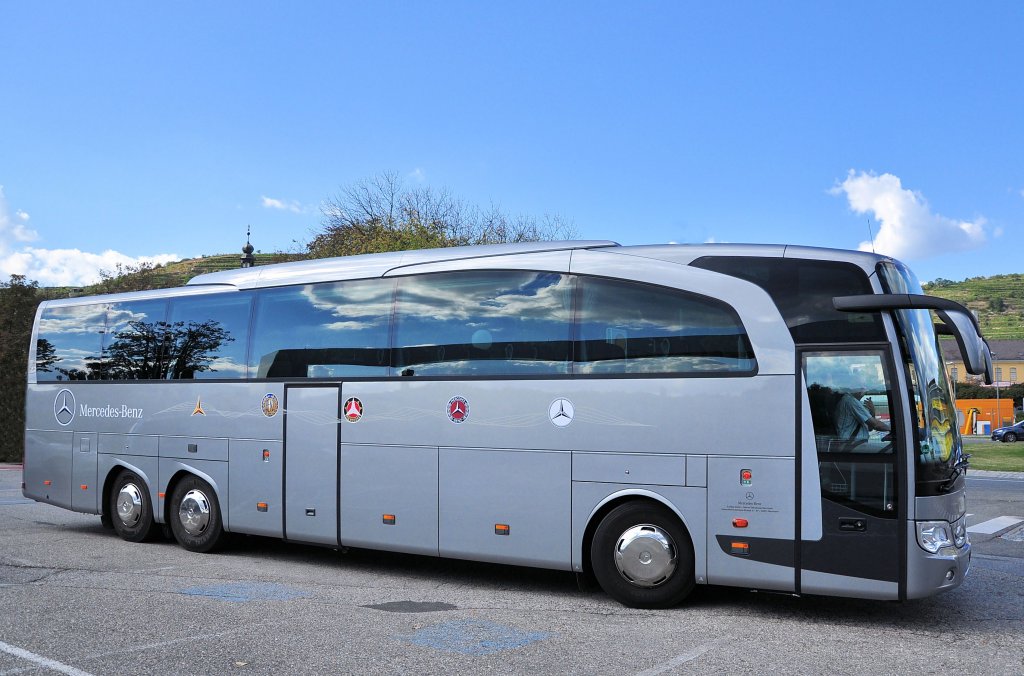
{"x":261,"y":506}
{"x":501,"y":529}
{"x":741,"y":549}
{"x":47,"y":482}
{"x":85,"y":487}
{"x":390,"y":520}
{"x":740,"y":523}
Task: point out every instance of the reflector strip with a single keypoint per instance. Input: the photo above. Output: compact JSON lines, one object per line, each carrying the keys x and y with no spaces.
{"x":501,"y":529}
{"x":47,"y":482}
{"x":389,"y":519}
{"x":85,"y":487}
{"x":161,"y":495}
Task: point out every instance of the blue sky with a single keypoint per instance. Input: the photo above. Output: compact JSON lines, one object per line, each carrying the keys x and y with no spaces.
{"x":132,"y":130}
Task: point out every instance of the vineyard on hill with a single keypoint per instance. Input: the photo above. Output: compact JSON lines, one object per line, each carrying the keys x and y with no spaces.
{"x":998,"y":302}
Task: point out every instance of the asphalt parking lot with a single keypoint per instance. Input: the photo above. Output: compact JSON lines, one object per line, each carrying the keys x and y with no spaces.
{"x":76,"y":599}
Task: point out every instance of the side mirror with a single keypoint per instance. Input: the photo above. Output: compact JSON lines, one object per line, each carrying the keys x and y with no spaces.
{"x":961,"y":323}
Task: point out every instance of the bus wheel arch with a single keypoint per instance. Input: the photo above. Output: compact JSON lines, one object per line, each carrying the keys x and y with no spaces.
{"x":640,"y":552}
{"x":193,"y":512}
{"x":128,"y":504}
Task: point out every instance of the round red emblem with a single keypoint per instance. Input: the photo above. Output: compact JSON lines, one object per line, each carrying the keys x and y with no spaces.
{"x":458,"y":409}
{"x":353,"y":409}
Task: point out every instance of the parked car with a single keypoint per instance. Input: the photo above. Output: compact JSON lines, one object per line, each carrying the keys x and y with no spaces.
{"x":1011,"y":433}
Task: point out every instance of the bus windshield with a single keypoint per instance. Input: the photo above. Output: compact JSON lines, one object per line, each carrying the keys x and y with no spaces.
{"x":936,"y":436}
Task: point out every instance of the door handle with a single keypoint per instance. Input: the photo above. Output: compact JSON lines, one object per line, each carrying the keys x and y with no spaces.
{"x":853,"y":525}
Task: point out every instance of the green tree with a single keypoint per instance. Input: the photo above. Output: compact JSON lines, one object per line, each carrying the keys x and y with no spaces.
{"x":18,"y":301}
{"x":383,"y":214}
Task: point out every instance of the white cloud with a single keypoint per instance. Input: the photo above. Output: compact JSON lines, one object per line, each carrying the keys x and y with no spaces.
{"x":70,"y":267}
{"x":55,"y":267}
{"x":908,"y":228}
{"x":281,"y":205}
{"x":13,"y":228}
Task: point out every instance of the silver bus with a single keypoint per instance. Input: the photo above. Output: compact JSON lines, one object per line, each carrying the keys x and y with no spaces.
{"x":652,"y":417}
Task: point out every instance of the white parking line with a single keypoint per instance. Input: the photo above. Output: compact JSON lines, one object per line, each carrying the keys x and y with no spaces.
{"x":679,"y":660}
{"x":995,"y":525}
{"x":42,"y":661}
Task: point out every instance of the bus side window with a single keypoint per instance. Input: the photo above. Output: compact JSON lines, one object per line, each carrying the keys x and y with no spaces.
{"x":494,"y":322}
{"x":207,"y":336}
{"x":332,"y":329}
{"x":67,"y":338}
{"x":629,"y":327}
{"x":134,"y":342}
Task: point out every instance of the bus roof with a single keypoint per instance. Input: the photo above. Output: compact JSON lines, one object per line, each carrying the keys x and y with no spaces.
{"x":376,"y":265}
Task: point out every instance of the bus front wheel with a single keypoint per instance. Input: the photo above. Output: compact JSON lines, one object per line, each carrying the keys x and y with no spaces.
{"x":642,"y":556}
{"x":195,"y":516}
{"x":130,"y":509}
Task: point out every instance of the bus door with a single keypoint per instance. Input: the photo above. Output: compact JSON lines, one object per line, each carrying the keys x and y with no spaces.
{"x":311,"y":447}
{"x":856,"y":424}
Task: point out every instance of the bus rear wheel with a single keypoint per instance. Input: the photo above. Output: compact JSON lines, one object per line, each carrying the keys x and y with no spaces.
{"x":130,"y":508}
{"x":195,"y":516}
{"x":642,"y":556}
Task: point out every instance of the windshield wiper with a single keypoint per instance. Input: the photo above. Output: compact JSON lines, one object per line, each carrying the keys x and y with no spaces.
{"x":961,"y":465}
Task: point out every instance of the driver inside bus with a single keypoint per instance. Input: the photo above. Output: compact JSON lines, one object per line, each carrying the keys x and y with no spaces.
{"x":855,"y":416}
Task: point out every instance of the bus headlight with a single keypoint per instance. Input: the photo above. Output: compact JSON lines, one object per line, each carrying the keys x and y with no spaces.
{"x":960,"y":531}
{"x":933,"y":535}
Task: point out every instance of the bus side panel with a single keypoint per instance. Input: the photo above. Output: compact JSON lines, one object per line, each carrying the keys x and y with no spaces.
{"x":690,"y":504}
{"x":255,"y":502}
{"x":48,"y":467}
{"x":85,"y":493}
{"x":389,"y":498}
{"x":813,"y":582}
{"x":751,"y":502}
{"x":745,"y":415}
{"x":527,"y":491}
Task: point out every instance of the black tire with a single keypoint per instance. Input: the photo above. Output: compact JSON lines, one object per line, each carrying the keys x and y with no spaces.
{"x":1009,"y":437}
{"x":643,"y":523}
{"x":130,"y":508}
{"x":195,"y":516}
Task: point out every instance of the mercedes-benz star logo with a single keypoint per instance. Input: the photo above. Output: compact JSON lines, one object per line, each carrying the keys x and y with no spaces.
{"x":561,"y":412}
{"x":64,"y":407}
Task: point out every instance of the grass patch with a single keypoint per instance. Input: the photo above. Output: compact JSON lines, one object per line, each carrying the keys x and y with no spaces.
{"x":995,"y":455}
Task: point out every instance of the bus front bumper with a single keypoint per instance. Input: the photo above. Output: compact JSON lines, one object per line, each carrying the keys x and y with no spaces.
{"x":929,"y":574}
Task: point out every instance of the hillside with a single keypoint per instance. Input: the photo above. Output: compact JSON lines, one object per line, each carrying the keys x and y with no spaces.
{"x":998,"y":301}
{"x":171,"y":274}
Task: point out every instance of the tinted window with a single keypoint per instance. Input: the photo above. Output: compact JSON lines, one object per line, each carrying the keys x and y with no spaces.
{"x":134,"y":346}
{"x":206,"y":336}
{"x":322,"y":330}
{"x":69,"y":338}
{"x":483,"y":323}
{"x":626,"y":327}
{"x":803,"y":291}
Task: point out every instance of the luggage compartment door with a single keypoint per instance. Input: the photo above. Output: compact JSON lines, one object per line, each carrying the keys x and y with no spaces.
{"x":311,"y":458}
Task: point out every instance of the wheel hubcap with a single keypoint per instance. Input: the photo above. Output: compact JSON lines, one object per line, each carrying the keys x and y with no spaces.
{"x":194,"y":512}
{"x":645,"y":555}
{"x":129,"y":504}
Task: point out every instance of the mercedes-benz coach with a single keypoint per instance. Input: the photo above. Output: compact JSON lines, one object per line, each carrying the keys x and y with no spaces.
{"x":655,"y":417}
